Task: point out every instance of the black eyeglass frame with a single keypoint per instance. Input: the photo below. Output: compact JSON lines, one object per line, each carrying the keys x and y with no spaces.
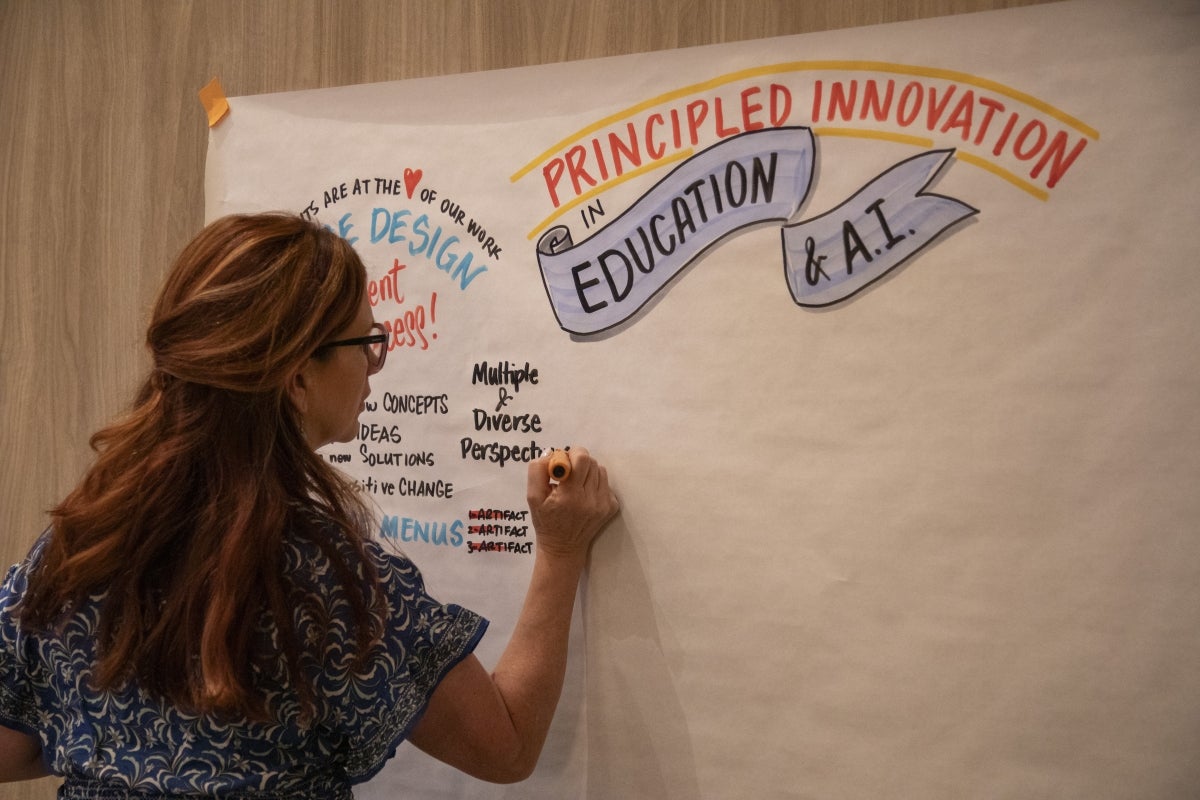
{"x":380,"y":338}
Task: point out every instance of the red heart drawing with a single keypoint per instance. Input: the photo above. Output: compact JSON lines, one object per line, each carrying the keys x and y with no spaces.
{"x":411,"y":178}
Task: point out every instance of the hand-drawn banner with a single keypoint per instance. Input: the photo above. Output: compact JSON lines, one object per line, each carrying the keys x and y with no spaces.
{"x":753,"y":178}
{"x":744,"y":180}
{"x":838,"y":254}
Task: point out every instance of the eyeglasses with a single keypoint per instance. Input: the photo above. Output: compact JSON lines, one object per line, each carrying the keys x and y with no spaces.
{"x":374,"y":345}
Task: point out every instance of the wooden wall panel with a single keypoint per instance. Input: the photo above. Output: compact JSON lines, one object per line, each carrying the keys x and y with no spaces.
{"x":102,"y":161}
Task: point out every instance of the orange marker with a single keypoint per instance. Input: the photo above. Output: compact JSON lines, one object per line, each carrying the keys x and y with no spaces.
{"x":560,"y":465}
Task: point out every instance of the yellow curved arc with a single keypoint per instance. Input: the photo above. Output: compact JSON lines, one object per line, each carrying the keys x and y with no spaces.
{"x":860,"y":133}
{"x":811,"y":66}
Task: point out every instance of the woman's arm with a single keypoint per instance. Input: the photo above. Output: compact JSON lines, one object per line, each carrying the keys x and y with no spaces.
{"x":494,"y":726}
{"x":20,"y":756}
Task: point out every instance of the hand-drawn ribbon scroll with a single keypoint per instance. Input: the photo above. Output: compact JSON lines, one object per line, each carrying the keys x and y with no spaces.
{"x":838,"y":254}
{"x":756,"y":177}
{"x":743,"y":180}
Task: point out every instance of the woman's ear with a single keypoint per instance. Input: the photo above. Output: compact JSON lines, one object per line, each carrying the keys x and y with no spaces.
{"x":297,"y":389}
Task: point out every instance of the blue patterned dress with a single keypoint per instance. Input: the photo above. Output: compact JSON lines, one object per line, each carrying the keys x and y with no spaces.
{"x":125,"y":744}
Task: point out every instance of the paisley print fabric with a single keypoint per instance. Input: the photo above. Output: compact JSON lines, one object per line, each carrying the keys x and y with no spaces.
{"x":126,"y":744}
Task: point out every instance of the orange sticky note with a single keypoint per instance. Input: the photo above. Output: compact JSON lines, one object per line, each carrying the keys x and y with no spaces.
{"x":212,"y":97}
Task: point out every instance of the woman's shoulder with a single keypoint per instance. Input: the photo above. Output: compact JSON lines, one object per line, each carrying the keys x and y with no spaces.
{"x":17,"y":575}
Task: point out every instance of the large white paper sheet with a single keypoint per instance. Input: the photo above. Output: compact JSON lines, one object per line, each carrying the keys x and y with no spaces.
{"x":888,"y":338}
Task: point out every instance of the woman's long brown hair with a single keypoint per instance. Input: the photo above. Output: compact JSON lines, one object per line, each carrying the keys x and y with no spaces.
{"x":180,"y":522}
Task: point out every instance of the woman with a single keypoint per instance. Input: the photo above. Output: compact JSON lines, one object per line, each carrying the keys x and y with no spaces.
{"x":208,"y":614}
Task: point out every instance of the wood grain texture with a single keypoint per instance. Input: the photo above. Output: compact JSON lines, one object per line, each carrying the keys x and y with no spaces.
{"x":102,"y":162}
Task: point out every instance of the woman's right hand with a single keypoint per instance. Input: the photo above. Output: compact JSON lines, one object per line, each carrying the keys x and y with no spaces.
{"x":568,"y":515}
